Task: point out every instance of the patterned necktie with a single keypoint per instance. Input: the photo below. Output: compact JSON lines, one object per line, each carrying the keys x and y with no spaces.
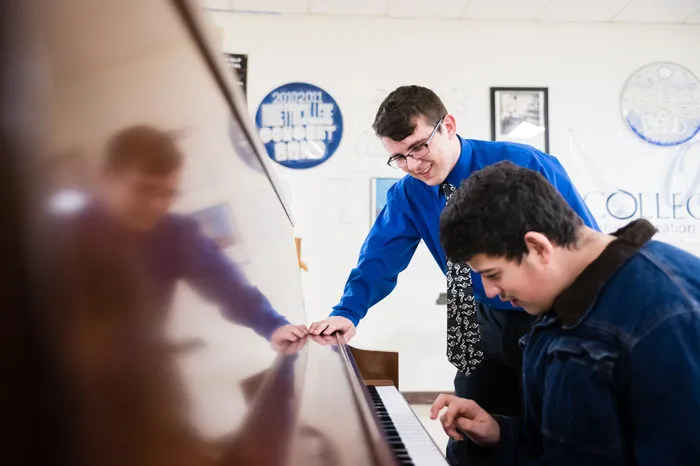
{"x":462,"y":325}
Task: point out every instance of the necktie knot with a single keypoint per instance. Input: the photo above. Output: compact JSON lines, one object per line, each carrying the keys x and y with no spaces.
{"x":448,"y":189}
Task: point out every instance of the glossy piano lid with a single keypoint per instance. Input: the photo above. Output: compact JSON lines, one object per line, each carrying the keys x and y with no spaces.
{"x":144,"y":316}
{"x":313,"y":411}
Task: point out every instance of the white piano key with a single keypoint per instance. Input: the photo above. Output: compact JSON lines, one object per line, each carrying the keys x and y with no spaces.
{"x":419,"y":445}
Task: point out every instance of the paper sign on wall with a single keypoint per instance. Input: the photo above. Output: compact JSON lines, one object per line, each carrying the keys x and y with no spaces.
{"x":239,"y":63}
{"x":379,"y":189}
{"x":300,"y":125}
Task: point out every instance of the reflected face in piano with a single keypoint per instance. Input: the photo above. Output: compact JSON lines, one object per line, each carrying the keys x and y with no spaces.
{"x":141,"y":176}
{"x":139,"y":200}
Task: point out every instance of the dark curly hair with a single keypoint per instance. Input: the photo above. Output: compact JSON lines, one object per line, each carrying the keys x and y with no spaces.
{"x":495,"y":207}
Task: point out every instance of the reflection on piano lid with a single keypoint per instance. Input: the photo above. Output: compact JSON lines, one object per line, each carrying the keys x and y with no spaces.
{"x":335,"y":420}
{"x":227,"y":398}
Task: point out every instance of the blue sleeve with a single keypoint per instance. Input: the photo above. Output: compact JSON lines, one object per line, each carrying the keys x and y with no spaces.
{"x":665,"y":392}
{"x":386,"y":252}
{"x":219,"y":280}
{"x":553,"y":170}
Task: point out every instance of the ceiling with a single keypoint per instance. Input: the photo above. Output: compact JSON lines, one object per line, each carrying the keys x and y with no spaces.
{"x":618,"y":11}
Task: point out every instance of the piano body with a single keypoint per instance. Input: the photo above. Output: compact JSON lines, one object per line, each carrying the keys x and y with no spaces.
{"x":213,"y":391}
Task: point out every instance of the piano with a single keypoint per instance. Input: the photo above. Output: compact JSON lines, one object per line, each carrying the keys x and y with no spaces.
{"x":185,"y":380}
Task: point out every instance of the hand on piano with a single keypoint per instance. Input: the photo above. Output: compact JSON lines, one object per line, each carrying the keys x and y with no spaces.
{"x":325,"y":340}
{"x":287,"y":348}
{"x":333,"y":324}
{"x":284,"y":336}
{"x":464,"y":416}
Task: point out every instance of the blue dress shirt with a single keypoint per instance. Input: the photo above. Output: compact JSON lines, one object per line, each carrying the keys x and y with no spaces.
{"x":176,"y":250}
{"x":412,"y":213}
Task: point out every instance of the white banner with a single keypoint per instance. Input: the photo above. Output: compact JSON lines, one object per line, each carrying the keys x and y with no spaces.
{"x":631,"y":179}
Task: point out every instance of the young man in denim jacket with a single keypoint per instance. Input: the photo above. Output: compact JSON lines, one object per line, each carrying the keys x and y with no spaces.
{"x":611,"y":369}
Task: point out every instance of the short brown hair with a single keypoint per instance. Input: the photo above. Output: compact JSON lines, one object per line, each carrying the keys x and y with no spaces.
{"x":145,"y":148}
{"x":396,"y":113}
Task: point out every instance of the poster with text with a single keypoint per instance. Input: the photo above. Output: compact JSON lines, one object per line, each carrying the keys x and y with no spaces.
{"x":300,"y":125}
{"x":239,"y":64}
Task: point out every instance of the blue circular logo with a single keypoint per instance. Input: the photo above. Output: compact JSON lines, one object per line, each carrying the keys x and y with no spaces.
{"x":300,"y":125}
{"x":661,"y":104}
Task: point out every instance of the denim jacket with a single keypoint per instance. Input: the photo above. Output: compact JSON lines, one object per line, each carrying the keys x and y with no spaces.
{"x":612,"y":373}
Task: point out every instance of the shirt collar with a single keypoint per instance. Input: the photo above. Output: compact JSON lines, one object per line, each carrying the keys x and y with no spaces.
{"x":571,"y":305}
{"x":462,"y":168}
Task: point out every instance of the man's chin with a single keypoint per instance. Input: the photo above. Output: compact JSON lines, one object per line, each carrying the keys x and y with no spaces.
{"x":532,"y":310}
{"x":431,"y":177}
{"x":429,"y":180}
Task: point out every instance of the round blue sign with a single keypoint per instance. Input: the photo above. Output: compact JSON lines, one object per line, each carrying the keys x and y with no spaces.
{"x":661,"y":104}
{"x":300,"y":125}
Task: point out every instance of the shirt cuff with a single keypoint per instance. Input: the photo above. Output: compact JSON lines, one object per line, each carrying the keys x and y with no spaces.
{"x":269,"y":327}
{"x":347,"y":314}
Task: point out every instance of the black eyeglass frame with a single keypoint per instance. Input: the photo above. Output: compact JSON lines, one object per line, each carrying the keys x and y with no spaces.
{"x":396,"y":157}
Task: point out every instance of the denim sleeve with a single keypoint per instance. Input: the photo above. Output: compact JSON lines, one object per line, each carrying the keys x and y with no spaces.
{"x":219,"y":280}
{"x":505,"y":454}
{"x":517,"y":447}
{"x":665,"y":392}
{"x":386,"y":252}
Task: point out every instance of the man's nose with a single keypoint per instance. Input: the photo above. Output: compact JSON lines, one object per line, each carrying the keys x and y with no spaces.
{"x":491,"y":290}
{"x":413,"y":164}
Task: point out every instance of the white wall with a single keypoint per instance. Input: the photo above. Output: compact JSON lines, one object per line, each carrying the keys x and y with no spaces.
{"x":359,"y":60}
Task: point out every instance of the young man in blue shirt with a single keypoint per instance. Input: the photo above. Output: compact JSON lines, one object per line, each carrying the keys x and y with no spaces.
{"x":421,"y":139}
{"x":611,"y":372}
{"x":139,"y":181}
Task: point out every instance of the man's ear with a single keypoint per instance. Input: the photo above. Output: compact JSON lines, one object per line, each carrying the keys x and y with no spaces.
{"x":450,"y":125}
{"x":539,"y":246}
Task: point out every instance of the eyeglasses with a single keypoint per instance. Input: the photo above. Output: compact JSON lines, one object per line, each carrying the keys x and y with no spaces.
{"x":417,"y":152}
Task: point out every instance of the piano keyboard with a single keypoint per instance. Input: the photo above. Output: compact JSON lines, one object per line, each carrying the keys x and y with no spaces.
{"x":408,"y":439}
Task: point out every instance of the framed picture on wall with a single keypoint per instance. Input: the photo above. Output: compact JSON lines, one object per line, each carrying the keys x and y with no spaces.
{"x":520,"y":114}
{"x":378,"y":189}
